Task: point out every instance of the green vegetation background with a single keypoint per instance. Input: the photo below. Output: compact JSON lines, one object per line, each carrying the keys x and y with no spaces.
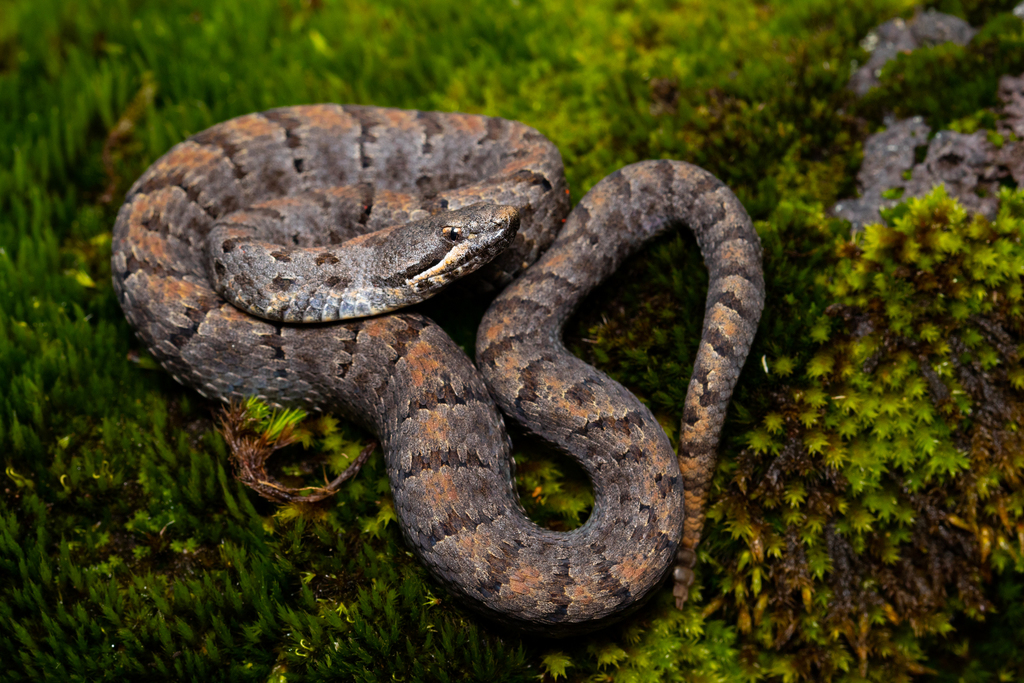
{"x":868,"y":516}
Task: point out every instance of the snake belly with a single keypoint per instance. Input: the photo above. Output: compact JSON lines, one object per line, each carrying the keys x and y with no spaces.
{"x":447,"y":453}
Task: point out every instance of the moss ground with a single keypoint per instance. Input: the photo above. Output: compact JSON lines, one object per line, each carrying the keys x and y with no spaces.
{"x":868,"y":516}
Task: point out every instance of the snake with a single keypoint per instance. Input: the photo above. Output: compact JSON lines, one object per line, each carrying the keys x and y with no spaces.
{"x":234,"y":252}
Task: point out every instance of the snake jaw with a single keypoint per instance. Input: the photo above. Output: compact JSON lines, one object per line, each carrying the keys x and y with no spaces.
{"x":452,"y":262}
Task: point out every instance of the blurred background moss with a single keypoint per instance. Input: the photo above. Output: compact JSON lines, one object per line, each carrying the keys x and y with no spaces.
{"x":865,"y":525}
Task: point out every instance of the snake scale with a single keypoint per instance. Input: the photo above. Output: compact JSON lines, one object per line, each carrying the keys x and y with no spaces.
{"x":312,"y":178}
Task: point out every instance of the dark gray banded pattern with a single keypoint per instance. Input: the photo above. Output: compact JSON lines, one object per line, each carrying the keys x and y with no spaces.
{"x":349,"y":170}
{"x":614,"y":437}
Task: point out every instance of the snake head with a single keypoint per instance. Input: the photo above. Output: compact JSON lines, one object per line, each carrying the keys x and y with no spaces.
{"x":425,"y":256}
{"x":368,"y":275}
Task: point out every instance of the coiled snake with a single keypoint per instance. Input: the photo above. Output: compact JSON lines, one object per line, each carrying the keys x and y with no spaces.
{"x":310,"y":178}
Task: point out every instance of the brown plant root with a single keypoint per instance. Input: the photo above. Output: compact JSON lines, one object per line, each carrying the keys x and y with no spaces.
{"x":252,"y":448}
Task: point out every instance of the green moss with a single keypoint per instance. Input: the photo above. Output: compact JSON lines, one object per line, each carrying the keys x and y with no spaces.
{"x":881,"y":486}
{"x":867,"y":513}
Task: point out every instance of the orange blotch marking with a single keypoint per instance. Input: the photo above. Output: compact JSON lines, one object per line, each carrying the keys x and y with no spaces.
{"x":400,"y":119}
{"x":524,"y":580}
{"x":173,"y":289}
{"x":434,"y":427}
{"x":734,"y":250}
{"x":466,"y":123}
{"x":236,"y":317}
{"x":377,"y":328}
{"x":422,"y":362}
{"x":557,"y":260}
{"x":398,"y":200}
{"x":579,"y":594}
{"x":238,"y":217}
{"x":631,"y":569}
{"x":497,"y":330}
{"x":467,"y":544}
{"x":325,"y":117}
{"x":440,"y":487}
{"x":282,"y":202}
{"x":190,"y":155}
{"x":725,"y":319}
{"x":247,"y":128}
{"x":372,"y":237}
{"x":597,"y":200}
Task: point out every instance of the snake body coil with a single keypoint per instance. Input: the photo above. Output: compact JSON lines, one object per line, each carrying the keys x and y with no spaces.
{"x":350,"y":170}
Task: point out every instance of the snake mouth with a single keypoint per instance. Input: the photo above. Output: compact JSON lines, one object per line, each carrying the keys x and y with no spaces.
{"x":455,"y":261}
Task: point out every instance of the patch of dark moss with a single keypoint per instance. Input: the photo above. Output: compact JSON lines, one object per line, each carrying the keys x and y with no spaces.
{"x":975,"y":12}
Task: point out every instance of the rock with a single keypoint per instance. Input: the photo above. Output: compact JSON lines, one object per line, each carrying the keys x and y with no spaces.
{"x":1011,"y":94}
{"x":967,"y":165}
{"x":933,"y":28}
{"x":887,"y":155}
{"x":1011,"y":157}
{"x":896,"y":36}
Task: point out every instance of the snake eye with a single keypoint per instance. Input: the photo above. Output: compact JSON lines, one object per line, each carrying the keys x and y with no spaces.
{"x":451,"y":232}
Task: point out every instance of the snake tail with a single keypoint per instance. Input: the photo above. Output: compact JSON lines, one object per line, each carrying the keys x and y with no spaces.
{"x":639,"y":484}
